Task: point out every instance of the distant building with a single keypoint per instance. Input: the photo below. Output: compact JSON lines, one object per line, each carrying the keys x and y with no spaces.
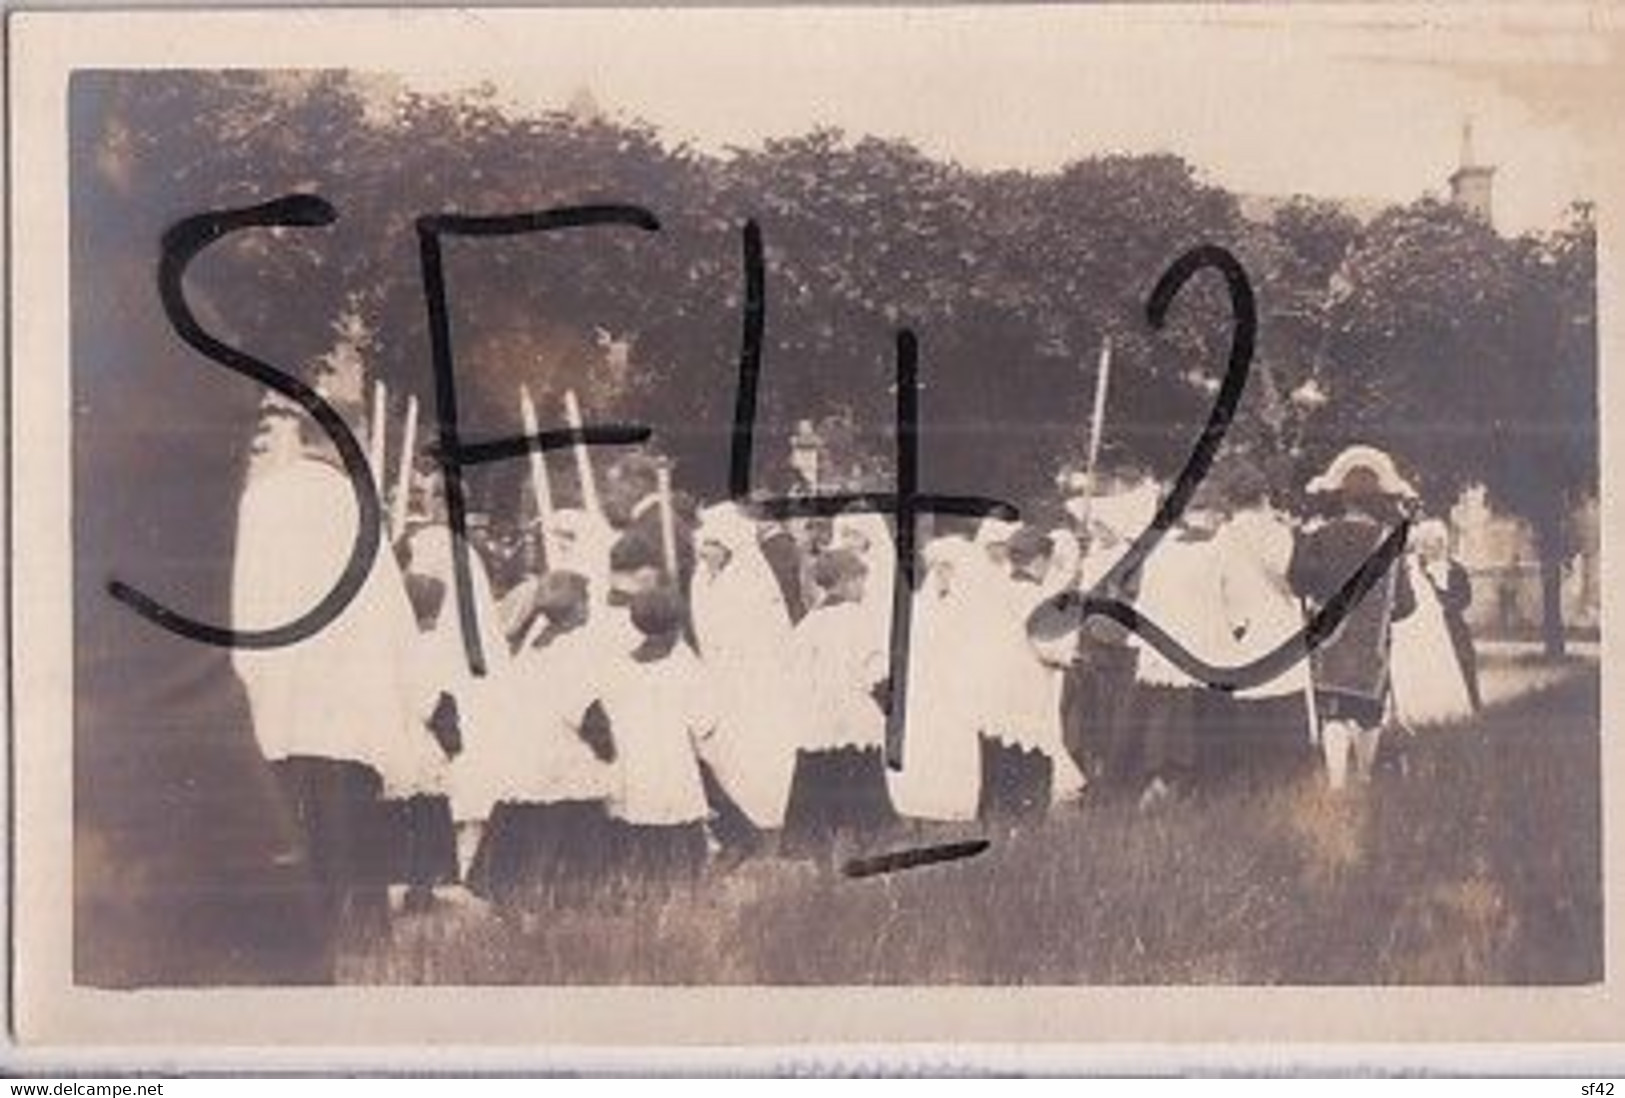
{"x":1499,"y":550}
{"x":584,"y":107}
{"x":1471,"y":184}
{"x":1503,"y":560}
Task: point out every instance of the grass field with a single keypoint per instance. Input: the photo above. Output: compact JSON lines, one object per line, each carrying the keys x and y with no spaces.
{"x":1479,"y":865}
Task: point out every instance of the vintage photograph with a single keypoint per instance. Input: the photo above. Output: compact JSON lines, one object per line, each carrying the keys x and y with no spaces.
{"x":957,"y":497}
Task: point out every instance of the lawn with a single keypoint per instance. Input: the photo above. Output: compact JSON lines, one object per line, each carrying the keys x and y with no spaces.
{"x":1480,"y":863}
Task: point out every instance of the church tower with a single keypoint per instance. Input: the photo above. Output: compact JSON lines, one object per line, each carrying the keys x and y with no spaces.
{"x":583,"y":107}
{"x":1470,"y":184}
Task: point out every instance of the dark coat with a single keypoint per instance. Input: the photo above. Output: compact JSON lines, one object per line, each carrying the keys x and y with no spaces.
{"x":1454,"y":598}
{"x":1354,"y":659}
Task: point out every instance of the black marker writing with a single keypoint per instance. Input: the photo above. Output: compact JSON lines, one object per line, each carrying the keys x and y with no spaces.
{"x":1058,"y":615}
{"x":913,"y":858}
{"x":904,"y":505}
{"x":182,"y":244}
{"x":1068,"y":610}
{"x":451,"y":452}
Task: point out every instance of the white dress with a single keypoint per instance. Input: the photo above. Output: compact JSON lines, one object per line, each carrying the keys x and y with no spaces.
{"x":941,"y":777}
{"x":880,"y":563}
{"x":1180,"y":593}
{"x":1254,"y":552}
{"x":657,"y":713}
{"x":1026,"y":702}
{"x":487,"y":709}
{"x":1114,"y":522}
{"x":552,"y":688}
{"x":836,"y":652}
{"x":1428,"y":685}
{"x":343,"y":693}
{"x":742,"y":627}
{"x":580,"y":542}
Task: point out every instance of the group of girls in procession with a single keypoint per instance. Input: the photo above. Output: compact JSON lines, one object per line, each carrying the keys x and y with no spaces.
{"x":669,"y":686}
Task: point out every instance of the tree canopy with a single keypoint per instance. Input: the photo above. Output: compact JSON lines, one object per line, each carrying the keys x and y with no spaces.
{"x":1470,"y":355}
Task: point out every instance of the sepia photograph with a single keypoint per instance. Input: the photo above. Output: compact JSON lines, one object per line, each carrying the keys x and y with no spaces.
{"x":974,"y":497}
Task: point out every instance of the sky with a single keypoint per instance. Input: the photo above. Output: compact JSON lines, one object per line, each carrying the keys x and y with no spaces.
{"x":1343,"y":103}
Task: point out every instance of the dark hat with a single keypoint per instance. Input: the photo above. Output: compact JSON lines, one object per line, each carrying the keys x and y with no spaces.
{"x":658,"y":612}
{"x":832,"y":569}
{"x":1246,"y":483}
{"x":632,"y":552}
{"x":1027,"y":545}
{"x":559,"y":592}
{"x":638,"y":469}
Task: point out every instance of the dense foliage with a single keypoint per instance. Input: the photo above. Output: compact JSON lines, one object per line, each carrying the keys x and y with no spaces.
{"x":1470,"y":355}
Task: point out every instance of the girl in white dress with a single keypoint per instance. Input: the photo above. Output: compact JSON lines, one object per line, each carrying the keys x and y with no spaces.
{"x":659,"y":704}
{"x":1269,"y":738}
{"x":941,"y":778}
{"x":1180,"y":592}
{"x":742,"y":627}
{"x":1429,"y":687}
{"x":549,"y":833}
{"x":332,"y":713}
{"x":838,"y":795}
{"x":482,"y":703}
{"x":1038,"y":572}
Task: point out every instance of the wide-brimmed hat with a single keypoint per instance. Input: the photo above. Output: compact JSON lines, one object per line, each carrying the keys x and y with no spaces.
{"x":1374,"y":461}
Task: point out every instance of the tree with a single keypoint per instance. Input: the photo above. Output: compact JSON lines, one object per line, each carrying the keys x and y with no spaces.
{"x":174,"y":871}
{"x":1543,"y":411}
{"x":1473,"y":358}
{"x":1083,"y":249}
